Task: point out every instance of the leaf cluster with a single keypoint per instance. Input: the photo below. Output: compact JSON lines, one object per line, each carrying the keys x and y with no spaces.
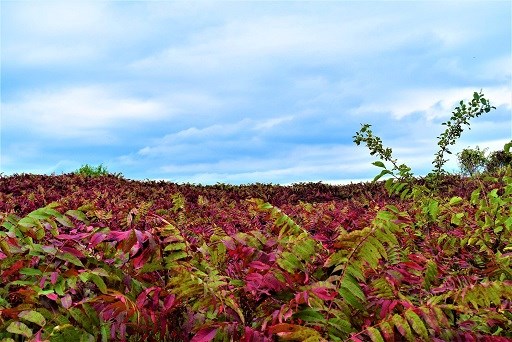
{"x":95,"y":171}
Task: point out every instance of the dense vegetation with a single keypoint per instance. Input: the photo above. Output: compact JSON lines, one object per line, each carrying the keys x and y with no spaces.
{"x":90,"y":257}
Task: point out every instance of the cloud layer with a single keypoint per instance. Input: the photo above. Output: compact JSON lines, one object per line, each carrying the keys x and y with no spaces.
{"x":243,"y":92}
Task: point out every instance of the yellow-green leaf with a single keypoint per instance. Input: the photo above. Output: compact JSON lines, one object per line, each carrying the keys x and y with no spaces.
{"x":417,"y":324}
{"x":20,"y":328}
{"x":289,"y":262}
{"x":33,"y":316}
{"x":374,"y":334}
{"x":309,"y":315}
{"x":351,"y":299}
{"x":352,"y":285}
{"x":71,"y":258}
{"x":403,"y":327}
{"x":99,"y":282}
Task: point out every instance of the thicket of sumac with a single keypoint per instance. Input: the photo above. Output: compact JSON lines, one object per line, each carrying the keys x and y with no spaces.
{"x":105,"y":258}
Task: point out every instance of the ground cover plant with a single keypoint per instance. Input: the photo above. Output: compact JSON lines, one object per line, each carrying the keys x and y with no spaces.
{"x":105,"y":258}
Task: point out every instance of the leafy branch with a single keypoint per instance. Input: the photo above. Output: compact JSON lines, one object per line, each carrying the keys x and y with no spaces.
{"x":401,"y":173}
{"x":461,"y":116}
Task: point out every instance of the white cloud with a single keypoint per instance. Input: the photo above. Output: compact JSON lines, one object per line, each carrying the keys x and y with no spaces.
{"x":499,"y":68}
{"x":433,"y":103}
{"x":36,"y":33}
{"x":243,"y":132}
{"x":79,"y":112}
{"x":262,"y":41}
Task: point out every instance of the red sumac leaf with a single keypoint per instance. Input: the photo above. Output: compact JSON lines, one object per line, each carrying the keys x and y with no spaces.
{"x":73,"y":251}
{"x":169,"y":302}
{"x":118,"y":235}
{"x":52,"y":296}
{"x":259,"y":265}
{"x":413,"y":265}
{"x":324,"y":293}
{"x":97,"y":238}
{"x":13,"y":269}
{"x":204,"y":335}
{"x":302,"y":298}
{"x":54,"y":277}
{"x":42,"y":281}
{"x":75,"y":237}
{"x":251,"y":335}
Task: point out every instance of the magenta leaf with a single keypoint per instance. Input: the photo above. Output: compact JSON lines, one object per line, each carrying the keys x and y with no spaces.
{"x":204,"y":335}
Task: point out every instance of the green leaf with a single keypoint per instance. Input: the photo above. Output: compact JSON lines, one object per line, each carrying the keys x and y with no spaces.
{"x":309,"y":315}
{"x":374,"y":334}
{"x":99,"y":283}
{"x":475,"y":195}
{"x":63,"y":220}
{"x":457,"y":218}
{"x":40,"y":233}
{"x":28,"y":222}
{"x":379,"y":164}
{"x":305,"y":249}
{"x":38,"y":214}
{"x":430,"y":273}
{"x":350,"y":298}
{"x":355,"y":272}
{"x":31,"y":271}
{"x":403,"y":327}
{"x":105,"y":333}
{"x":349,"y":283}
{"x":175,"y":247}
{"x":507,"y":147}
{"x":77,"y":214}
{"x":455,"y":200}
{"x":370,"y":254}
{"x":20,"y":328}
{"x":169,"y":259}
{"x":33,"y":316}
{"x":81,"y":318}
{"x":341,"y":325}
{"x":379,"y":246}
{"x":381,"y":174}
{"x":289,"y":262}
{"x":151,"y":267}
{"x":71,"y":258}
{"x":417,"y":324}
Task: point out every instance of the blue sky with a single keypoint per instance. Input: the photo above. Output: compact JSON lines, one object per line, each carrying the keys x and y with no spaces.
{"x":243,"y":92}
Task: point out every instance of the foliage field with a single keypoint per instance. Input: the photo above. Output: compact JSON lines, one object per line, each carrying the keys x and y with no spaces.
{"x":105,"y":258}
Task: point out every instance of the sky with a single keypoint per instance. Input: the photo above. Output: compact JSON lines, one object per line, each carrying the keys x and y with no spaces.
{"x":244,"y":92}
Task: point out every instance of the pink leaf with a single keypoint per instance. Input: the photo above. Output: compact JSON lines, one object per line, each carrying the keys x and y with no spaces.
{"x":97,"y":238}
{"x":169,"y":302}
{"x":204,"y":335}
{"x":42,"y":281}
{"x":259,"y":265}
{"x":54,"y":277}
{"x":119,"y":236}
{"x":324,"y":293}
{"x":66,"y":301}
{"x":52,"y":296}
{"x":73,"y":251}
{"x":72,"y":237}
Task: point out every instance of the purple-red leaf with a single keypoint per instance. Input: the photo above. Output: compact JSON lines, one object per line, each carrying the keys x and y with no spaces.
{"x":66,"y":301}
{"x":204,"y":335}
